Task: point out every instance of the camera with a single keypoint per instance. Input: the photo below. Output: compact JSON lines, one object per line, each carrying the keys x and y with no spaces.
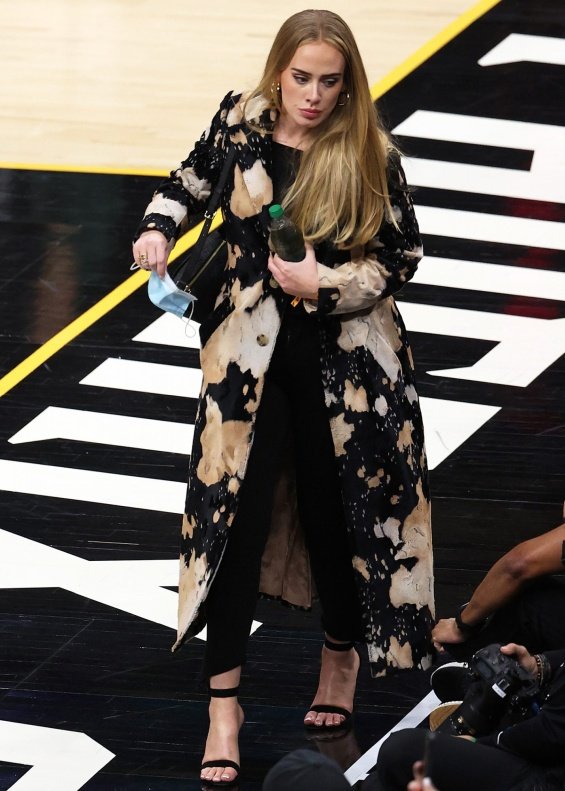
{"x":500,"y":692}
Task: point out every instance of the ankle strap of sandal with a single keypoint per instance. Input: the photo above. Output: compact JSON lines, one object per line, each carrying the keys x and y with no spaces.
{"x":223,"y":693}
{"x":338,"y":646}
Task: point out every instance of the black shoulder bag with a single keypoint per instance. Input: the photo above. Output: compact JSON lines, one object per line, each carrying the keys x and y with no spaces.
{"x":201,"y":271}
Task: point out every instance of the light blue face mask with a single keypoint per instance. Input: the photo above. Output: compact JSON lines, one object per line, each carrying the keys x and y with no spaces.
{"x":164,"y":293}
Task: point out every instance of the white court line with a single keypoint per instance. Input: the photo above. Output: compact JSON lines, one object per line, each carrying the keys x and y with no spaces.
{"x":138,"y":587}
{"x":483,"y":180}
{"x":169,"y":330}
{"x":494,"y":278}
{"x":520,"y":48}
{"x":498,"y":228}
{"x":482,"y":131}
{"x":103,"y":428}
{"x":60,"y":760}
{"x":92,"y":486}
{"x":418,"y":714}
{"x":146,"y":377}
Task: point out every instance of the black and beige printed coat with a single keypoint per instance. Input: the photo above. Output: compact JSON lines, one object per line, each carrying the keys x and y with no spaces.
{"x":368,"y":378}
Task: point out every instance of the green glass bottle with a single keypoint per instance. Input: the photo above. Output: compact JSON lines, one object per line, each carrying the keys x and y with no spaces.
{"x":286,"y":239}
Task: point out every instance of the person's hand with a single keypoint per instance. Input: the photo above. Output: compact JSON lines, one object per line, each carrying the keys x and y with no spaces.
{"x":522,"y":656}
{"x":420,"y":783}
{"x":299,"y":278}
{"x":446,"y":631}
{"x":151,"y":251}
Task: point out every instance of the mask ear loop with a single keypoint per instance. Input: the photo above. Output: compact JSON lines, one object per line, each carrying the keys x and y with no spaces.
{"x":189,"y":328}
{"x":134,"y":266}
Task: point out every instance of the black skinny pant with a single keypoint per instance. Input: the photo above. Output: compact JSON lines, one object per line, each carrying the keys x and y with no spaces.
{"x":292,"y":401}
{"x":456,"y":765}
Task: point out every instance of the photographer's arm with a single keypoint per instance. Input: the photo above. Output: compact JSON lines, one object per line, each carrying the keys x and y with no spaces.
{"x":527,"y":561}
{"x":541,"y":738}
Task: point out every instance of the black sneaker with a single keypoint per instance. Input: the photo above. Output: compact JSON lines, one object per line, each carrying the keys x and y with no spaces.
{"x":451,"y":681}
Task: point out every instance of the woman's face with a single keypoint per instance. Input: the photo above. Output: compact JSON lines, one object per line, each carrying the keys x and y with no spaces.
{"x":311,"y":84}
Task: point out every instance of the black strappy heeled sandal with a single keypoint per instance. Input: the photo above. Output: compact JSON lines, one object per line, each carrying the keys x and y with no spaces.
{"x":220,"y":763}
{"x":328,"y":708}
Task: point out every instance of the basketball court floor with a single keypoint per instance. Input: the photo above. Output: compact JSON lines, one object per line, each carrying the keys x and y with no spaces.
{"x":98,"y":388}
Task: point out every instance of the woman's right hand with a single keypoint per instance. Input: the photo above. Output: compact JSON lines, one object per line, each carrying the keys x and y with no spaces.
{"x":151,"y":251}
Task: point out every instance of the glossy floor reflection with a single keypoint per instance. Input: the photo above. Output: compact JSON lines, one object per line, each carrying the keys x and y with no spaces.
{"x":115,"y":675}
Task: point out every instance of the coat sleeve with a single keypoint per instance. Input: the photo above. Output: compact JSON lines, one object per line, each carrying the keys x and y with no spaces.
{"x":389,"y":260}
{"x":188,"y":188}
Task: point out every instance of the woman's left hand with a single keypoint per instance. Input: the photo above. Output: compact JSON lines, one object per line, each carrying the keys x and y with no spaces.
{"x":299,"y":278}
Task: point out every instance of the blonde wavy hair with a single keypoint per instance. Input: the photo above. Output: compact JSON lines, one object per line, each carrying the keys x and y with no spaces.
{"x":340,"y":192}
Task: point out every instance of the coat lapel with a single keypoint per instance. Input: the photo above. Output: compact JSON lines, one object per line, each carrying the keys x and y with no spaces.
{"x":254,"y":159}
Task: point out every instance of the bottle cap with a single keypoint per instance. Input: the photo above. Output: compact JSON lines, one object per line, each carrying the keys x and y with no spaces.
{"x":276,"y":211}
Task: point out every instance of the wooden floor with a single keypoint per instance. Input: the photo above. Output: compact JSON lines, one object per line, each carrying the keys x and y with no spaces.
{"x":132,"y":83}
{"x":98,"y":98}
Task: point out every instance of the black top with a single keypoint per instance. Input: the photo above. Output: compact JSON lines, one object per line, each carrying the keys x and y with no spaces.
{"x":286,"y":161}
{"x":285,"y":164}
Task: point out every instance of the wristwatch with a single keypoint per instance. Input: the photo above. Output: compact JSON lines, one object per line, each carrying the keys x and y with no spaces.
{"x":468,"y":629}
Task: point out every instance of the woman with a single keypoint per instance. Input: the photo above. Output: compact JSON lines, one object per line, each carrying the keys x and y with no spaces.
{"x":308,"y":447}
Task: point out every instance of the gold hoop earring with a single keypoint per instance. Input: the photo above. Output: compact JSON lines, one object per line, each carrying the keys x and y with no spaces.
{"x":344,"y":97}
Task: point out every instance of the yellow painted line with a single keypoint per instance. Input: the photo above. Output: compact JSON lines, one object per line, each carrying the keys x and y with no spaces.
{"x":111,"y":300}
{"x":105,"y":170}
{"x":91,"y":316}
{"x":432,"y":46}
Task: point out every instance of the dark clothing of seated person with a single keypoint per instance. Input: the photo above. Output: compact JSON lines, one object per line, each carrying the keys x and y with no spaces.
{"x":525,"y":756}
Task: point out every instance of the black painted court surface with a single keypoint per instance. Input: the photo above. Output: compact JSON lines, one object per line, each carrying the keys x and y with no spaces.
{"x":74,"y":658}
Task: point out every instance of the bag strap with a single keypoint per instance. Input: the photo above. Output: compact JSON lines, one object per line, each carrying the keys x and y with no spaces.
{"x":211,"y":209}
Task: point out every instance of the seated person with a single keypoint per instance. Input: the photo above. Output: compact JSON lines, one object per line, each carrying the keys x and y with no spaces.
{"x":524,"y":756}
{"x":305,"y":770}
{"x":507,"y":606}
